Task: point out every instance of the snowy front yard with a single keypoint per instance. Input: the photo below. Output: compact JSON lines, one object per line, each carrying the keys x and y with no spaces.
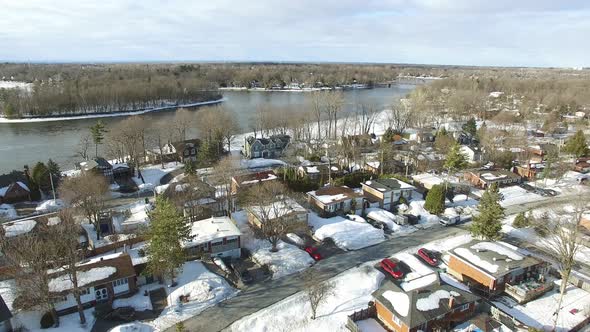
{"x":203,"y":289}
{"x":352,"y":292}
{"x":154,"y":173}
{"x":289,"y":259}
{"x":347,"y":234}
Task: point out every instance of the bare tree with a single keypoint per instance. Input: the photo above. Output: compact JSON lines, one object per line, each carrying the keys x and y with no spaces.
{"x":227,"y":126}
{"x":399,"y":117}
{"x":270,"y":203}
{"x":334,"y":100}
{"x":83,"y":146}
{"x":223,"y":172}
{"x":317,"y":292}
{"x":66,"y":239}
{"x":29,"y":257}
{"x":564,"y":233}
{"x":317,"y":109}
{"x":366,"y":114}
{"x":88,"y":193}
{"x":182,"y":121}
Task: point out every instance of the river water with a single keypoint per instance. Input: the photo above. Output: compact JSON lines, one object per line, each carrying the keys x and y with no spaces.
{"x":26,"y":143}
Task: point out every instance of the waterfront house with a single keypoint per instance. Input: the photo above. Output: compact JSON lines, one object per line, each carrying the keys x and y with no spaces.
{"x":261,"y":147}
{"x":214,"y":237}
{"x":166,"y":154}
{"x":187,"y":150}
{"x":99,"y":166}
{"x":14,"y":193}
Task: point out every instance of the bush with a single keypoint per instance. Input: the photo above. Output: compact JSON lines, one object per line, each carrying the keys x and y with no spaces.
{"x":521,"y":221}
{"x":435,"y":200}
{"x":302,"y":185}
{"x":47,"y":320}
{"x":403,"y":200}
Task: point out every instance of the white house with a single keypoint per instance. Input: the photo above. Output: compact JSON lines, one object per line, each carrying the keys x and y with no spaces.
{"x":216,"y":236}
{"x":472,"y":154}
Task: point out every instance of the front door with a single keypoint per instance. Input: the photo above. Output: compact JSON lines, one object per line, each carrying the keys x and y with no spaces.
{"x":101,"y":294}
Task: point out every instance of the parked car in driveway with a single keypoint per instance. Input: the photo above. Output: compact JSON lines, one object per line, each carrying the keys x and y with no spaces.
{"x":314,"y":253}
{"x":392,"y":268}
{"x":428,"y":256}
{"x":449,"y":220}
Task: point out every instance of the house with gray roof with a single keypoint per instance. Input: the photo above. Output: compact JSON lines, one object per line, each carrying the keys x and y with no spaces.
{"x":433,"y":307}
{"x":265,"y":147}
{"x":386,"y":192}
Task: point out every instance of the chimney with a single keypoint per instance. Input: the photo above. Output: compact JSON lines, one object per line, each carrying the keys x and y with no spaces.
{"x":451,"y":301}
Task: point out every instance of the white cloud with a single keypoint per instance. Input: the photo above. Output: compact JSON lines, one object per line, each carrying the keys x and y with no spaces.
{"x":528,"y":32}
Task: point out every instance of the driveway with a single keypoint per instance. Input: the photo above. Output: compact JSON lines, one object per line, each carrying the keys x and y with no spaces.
{"x":259,"y":296}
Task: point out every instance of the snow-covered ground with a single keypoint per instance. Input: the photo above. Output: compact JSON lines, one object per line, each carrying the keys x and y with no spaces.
{"x":15,"y":85}
{"x":347,"y":234}
{"x":153,"y":174}
{"x":388,"y":219}
{"x":7,"y":211}
{"x":132,"y":327}
{"x":539,"y":313}
{"x":289,"y":259}
{"x":515,"y":195}
{"x":132,"y":216}
{"x":352,"y":292}
{"x":50,"y":205}
{"x":203,"y":289}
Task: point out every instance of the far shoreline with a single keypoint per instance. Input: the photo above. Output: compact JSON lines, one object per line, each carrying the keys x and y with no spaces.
{"x":4,"y":120}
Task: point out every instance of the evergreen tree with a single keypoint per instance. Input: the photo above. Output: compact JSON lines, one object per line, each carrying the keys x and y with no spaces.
{"x":167,"y":232}
{"x":455,"y":159}
{"x":521,"y":221}
{"x":97,"y":131}
{"x":435,"y":200}
{"x":488,"y":223}
{"x":40,"y":176}
{"x":190,"y":168}
{"x":577,"y":145}
{"x":389,"y":135}
{"x":470,"y":127}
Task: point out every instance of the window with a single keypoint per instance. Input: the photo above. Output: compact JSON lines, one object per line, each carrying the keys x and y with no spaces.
{"x":464,"y":307}
{"x":396,"y":320}
{"x":231,"y":241}
{"x":85,"y":291}
{"x":217,"y":243}
{"x":120,"y":282}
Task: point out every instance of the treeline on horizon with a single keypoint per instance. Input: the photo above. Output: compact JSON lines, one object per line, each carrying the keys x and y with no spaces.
{"x":64,"y":89}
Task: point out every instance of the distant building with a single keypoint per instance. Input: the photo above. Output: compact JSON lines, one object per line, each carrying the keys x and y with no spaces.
{"x":582,"y":165}
{"x":271,"y":147}
{"x":166,"y":154}
{"x":214,"y":237}
{"x":319,"y":172}
{"x":187,"y":150}
{"x":99,"y":166}
{"x":486,"y":178}
{"x":329,"y":201}
{"x":472,"y":154}
{"x":386,"y":192}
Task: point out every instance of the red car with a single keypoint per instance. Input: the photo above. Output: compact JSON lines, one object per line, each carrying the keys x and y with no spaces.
{"x":314,"y":253}
{"x":428,"y":256}
{"x":392,"y":268}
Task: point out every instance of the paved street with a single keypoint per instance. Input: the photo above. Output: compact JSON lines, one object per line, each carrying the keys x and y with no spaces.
{"x":260,"y":296}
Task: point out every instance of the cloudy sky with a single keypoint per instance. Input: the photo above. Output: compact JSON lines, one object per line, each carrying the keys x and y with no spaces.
{"x":471,"y":32}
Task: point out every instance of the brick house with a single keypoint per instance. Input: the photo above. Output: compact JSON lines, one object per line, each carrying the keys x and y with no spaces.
{"x":215,"y":237}
{"x":103,"y":280}
{"x":434,"y":307}
{"x":386,"y":192}
{"x":15,"y":192}
{"x":492,"y":268}
{"x":242,"y":181}
{"x":329,"y":201}
{"x":486,"y":178}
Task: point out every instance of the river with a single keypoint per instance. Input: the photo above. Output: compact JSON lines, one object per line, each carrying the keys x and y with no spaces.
{"x":26,"y":143}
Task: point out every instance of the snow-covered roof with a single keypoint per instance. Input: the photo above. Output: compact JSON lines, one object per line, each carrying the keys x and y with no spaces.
{"x":21,"y":227}
{"x":278,"y":208}
{"x":493,"y":258}
{"x":329,"y":195}
{"x":214,"y":228}
{"x":252,"y":178}
{"x":428,"y":180}
{"x":384,"y":185}
{"x":63,"y":282}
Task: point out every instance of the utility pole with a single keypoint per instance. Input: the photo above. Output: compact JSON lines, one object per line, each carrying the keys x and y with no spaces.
{"x":52,"y":186}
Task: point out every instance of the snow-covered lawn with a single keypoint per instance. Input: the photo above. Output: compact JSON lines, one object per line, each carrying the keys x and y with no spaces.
{"x":370,"y":325}
{"x":132,"y":216}
{"x":347,"y":234}
{"x":352,"y":292}
{"x":8,"y":211}
{"x":50,"y":205}
{"x":426,"y":218}
{"x":388,"y":219}
{"x":153,"y":174}
{"x":203,"y":289}
{"x":289,"y":259}
{"x":539,"y":313}
{"x":515,"y":195}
